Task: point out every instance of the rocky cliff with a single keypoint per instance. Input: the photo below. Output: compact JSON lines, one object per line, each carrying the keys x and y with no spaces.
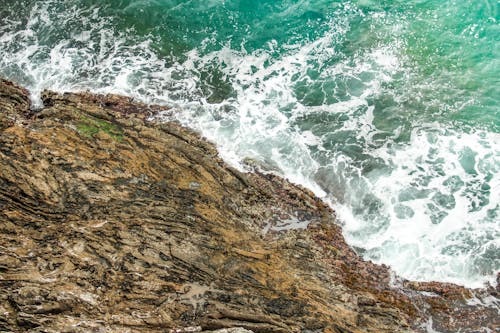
{"x":111,"y":222}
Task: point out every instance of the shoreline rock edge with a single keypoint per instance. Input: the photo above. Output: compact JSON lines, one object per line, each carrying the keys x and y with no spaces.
{"x":111,"y":222}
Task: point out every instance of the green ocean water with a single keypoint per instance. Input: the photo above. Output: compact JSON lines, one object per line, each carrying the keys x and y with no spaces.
{"x":389,"y":110}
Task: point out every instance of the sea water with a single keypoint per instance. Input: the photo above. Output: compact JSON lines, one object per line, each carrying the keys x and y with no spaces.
{"x":389,"y":110}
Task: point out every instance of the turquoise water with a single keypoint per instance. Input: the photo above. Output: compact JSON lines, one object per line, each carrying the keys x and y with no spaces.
{"x":389,"y":110}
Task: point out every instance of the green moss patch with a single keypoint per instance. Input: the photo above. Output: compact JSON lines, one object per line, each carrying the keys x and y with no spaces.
{"x":90,"y":126}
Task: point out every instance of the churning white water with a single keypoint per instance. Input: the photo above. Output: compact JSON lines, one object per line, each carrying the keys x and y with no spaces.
{"x":362,"y":128}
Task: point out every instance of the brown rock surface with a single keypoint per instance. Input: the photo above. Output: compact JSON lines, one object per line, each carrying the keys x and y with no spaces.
{"x":110,"y":222}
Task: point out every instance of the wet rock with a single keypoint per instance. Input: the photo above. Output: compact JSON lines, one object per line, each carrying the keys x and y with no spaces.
{"x":110,"y":221}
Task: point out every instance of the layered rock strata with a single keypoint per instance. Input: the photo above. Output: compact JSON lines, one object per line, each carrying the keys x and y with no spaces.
{"x":112,"y":222}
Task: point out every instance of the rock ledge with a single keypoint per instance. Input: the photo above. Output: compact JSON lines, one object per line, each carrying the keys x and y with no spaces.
{"x":112,"y":223}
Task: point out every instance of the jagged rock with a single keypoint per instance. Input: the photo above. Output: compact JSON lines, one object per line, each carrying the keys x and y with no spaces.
{"x":111,"y":222}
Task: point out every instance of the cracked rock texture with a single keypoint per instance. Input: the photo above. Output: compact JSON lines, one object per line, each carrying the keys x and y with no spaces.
{"x":110,"y":222}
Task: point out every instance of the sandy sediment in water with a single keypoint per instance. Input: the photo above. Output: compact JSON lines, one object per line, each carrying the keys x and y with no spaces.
{"x":110,"y":222}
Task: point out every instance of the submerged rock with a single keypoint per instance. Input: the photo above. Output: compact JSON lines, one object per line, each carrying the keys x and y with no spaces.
{"x":110,"y":222}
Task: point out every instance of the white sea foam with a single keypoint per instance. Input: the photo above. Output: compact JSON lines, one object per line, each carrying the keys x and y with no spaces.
{"x":439,"y":212}
{"x":427,"y":205}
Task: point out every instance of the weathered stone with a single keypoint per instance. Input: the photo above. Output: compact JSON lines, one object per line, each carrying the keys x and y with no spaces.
{"x":112,"y":222}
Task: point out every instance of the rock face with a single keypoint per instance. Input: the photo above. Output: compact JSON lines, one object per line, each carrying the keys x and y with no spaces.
{"x":110,"y":222}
